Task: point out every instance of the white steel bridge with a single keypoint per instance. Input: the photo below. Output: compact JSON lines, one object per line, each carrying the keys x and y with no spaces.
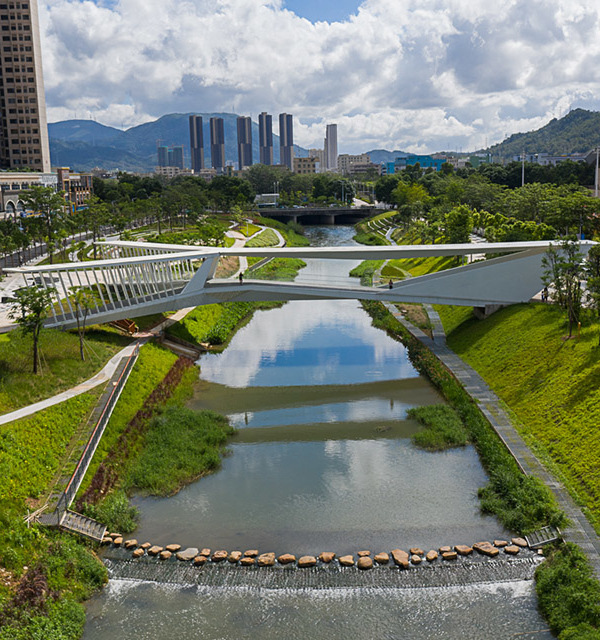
{"x":142,"y":278}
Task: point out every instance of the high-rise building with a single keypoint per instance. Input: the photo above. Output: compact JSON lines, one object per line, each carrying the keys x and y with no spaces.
{"x":265,"y":134}
{"x":217,"y":143}
{"x":23,"y":125}
{"x":196,"y":143}
{"x":331,"y":148}
{"x":244,"y":139}
{"x":163,"y":155}
{"x":176,"y":157}
{"x":286,"y":140}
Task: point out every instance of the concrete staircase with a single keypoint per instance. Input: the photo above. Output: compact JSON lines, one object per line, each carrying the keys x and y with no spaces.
{"x":82,"y":525}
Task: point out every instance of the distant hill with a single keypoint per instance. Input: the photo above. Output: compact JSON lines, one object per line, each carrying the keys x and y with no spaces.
{"x":577,"y":132}
{"x":382,"y":155}
{"x":85,"y":144}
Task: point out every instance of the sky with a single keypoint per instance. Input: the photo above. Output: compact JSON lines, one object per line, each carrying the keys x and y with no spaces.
{"x":415,"y":75}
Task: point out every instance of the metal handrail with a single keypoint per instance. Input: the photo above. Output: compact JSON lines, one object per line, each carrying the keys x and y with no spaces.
{"x":68,"y":495}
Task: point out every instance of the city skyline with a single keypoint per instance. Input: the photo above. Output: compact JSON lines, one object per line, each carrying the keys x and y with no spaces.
{"x":449,"y":75}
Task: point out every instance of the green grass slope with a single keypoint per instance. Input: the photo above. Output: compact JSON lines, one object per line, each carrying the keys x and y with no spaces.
{"x":552,"y":386}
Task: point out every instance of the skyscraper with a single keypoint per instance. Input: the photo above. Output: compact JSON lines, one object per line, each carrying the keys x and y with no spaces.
{"x":244,"y":139}
{"x":163,"y":155}
{"x":331,"y":148}
{"x":217,"y":143}
{"x":286,"y":140}
{"x":265,"y":134}
{"x":196,"y":143}
{"x":176,"y":157}
{"x":23,"y":126}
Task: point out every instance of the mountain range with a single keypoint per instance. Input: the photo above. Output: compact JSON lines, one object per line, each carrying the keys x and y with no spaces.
{"x":85,"y":144}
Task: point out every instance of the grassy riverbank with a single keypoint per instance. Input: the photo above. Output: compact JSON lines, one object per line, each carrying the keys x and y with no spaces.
{"x":44,"y":575}
{"x":153,"y":444}
{"x":552,"y":386}
{"x":61,"y":366}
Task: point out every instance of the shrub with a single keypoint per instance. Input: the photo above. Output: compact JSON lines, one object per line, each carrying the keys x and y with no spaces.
{"x":444,"y":428}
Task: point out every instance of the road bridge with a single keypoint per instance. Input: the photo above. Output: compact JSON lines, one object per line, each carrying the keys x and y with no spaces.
{"x":322,"y":215}
{"x":142,"y":278}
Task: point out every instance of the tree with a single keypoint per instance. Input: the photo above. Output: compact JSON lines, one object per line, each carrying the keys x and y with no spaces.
{"x":31,"y":309}
{"x":50,"y":205}
{"x":411,"y":200}
{"x":93,"y":217}
{"x":83,"y":299}
{"x":563,"y":271}
{"x":592,"y":271}
{"x":459,"y":224}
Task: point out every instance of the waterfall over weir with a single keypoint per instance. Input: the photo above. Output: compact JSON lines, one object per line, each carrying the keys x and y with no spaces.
{"x":324,"y":577}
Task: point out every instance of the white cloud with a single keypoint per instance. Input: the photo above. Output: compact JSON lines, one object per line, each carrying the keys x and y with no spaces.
{"x":412,"y":75}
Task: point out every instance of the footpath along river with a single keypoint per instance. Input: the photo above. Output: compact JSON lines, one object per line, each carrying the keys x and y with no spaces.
{"x":322,"y":462}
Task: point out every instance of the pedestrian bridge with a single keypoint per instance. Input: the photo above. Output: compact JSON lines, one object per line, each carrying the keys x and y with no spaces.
{"x":142,"y":278}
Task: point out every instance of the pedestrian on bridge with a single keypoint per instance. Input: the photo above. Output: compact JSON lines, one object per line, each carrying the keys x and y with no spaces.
{"x":241,"y":277}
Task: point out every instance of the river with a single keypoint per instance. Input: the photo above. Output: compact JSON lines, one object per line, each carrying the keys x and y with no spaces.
{"x":322,"y":462}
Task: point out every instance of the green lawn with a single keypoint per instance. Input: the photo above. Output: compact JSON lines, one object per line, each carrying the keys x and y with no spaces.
{"x":268,"y":238}
{"x":247,"y":229}
{"x":551,"y":385}
{"x":61,"y":367}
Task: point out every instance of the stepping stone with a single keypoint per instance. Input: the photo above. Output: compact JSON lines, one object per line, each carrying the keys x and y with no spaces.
{"x":449,"y":555}
{"x":286,"y":558}
{"x":307,"y":561}
{"x":251,"y":553}
{"x":247,"y":561}
{"x":488,"y":550}
{"x":107,"y":540}
{"x":500,"y":543}
{"x":326,"y":556}
{"x":235,"y":556}
{"x":520,"y":542}
{"x":219,"y":556}
{"x":415,"y":559}
{"x":173,"y":548}
{"x":205,"y":552}
{"x":463,"y":550}
{"x":138,"y":553}
{"x":155,"y":550}
{"x":512,"y":549}
{"x":165,"y":555}
{"x":130,"y":544}
{"x":415,"y":551}
{"x":200,"y":560}
{"x":266,"y":559}
{"x":431,"y":556}
{"x":189,"y":554}
{"x":146,"y":545}
{"x":365,"y":563}
{"x":363,"y":554}
{"x":346,"y":561}
{"x":118,"y":541}
{"x":445,"y":549}
{"x":401,"y":558}
{"x":382,"y":558}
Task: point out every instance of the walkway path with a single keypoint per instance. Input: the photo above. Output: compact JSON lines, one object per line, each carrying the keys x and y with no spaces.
{"x":580,"y":531}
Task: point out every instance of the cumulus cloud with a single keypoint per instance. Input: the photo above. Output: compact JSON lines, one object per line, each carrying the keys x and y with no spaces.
{"x":445,"y":74}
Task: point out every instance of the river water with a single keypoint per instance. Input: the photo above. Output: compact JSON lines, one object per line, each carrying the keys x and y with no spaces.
{"x":322,"y":462}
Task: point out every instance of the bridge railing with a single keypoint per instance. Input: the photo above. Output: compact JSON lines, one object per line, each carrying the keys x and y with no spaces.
{"x":68,"y":495}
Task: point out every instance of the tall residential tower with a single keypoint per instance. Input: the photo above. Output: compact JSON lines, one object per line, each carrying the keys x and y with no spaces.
{"x":196,"y":143}
{"x":286,"y":140}
{"x":244,"y":139}
{"x":217,"y":143}
{"x":265,"y":134}
{"x":23,"y":126}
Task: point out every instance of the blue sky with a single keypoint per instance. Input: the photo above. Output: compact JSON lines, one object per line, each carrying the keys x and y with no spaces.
{"x":323,"y":10}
